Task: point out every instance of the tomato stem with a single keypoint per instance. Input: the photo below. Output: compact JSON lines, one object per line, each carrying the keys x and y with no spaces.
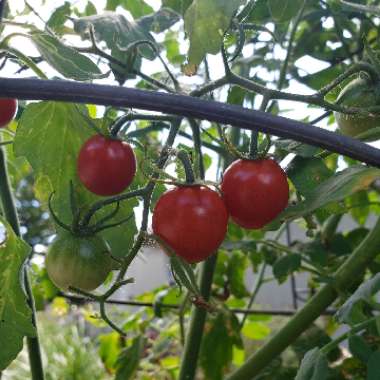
{"x":185,"y":159}
{"x":253,"y":144}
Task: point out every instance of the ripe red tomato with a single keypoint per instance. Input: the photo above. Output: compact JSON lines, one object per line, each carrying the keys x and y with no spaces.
{"x":8,"y":109}
{"x":255,"y":192}
{"x":106,"y":166}
{"x":192,"y":220}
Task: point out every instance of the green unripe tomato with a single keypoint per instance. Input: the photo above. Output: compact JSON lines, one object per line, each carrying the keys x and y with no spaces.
{"x":79,"y":262}
{"x":360,"y":93}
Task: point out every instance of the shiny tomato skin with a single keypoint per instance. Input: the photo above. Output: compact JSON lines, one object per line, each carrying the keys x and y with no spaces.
{"x":79,"y":262}
{"x":106,"y":166}
{"x":191,"y":220}
{"x":8,"y":110}
{"x":255,"y":192}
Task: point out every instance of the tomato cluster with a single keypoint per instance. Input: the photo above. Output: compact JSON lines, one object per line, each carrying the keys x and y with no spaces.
{"x":192,"y":220}
{"x":8,"y":109}
{"x":189,"y":220}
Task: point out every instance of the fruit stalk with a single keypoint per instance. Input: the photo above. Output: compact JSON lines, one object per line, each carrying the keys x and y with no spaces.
{"x":10,"y":214}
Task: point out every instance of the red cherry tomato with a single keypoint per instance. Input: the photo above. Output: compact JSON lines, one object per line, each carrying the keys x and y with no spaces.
{"x":192,"y":220}
{"x":255,"y":192}
{"x":106,"y":166}
{"x":8,"y":109}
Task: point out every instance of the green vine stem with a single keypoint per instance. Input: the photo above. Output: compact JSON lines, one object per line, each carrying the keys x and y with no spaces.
{"x":256,"y":288}
{"x":197,"y":321}
{"x":183,"y":156}
{"x":10,"y":214}
{"x":341,"y":281}
{"x":198,"y":316}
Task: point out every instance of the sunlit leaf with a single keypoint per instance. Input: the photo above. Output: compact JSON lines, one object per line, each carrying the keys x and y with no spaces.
{"x":205,"y":32}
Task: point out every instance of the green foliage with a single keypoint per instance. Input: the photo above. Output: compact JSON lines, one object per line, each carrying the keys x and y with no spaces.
{"x":374,"y":366}
{"x":324,"y":187}
{"x":205,"y":36}
{"x":354,"y":309}
{"x":307,"y":173}
{"x":15,"y":313}
{"x":128,"y":360}
{"x":66,"y":60}
{"x":179,"y":6}
{"x":284,"y":10}
{"x":336,"y":188}
{"x":286,"y":265}
{"x":222,"y":333}
{"x":313,"y":366}
{"x":65,"y":127}
{"x":59,"y":17}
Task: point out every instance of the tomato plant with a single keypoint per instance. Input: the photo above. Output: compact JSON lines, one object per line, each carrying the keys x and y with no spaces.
{"x":191,"y":220}
{"x":190,"y":85}
{"x":359,"y":93}
{"x":255,"y":191}
{"x":8,"y":109}
{"x":106,"y":166}
{"x":78,"y":262}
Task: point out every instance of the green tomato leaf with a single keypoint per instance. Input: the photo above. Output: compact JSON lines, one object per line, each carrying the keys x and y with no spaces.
{"x":128,"y":360}
{"x":222,"y":333}
{"x":334,"y":189}
{"x":50,"y":135}
{"x":206,"y":32}
{"x":307,"y":173}
{"x":360,"y":209}
{"x":15,"y":314}
{"x":291,"y":146}
{"x":284,"y":10}
{"x":109,"y":349}
{"x":117,"y":32}
{"x":159,"y":21}
{"x":171,"y":44}
{"x":373,"y":366}
{"x":59,"y":17}
{"x":314,"y":366}
{"x":137,"y":8}
{"x":180,"y":6}
{"x":359,"y":348}
{"x":352,"y":311}
{"x":66,"y":60}
{"x":90,"y":9}
{"x":286,"y":265}
{"x":237,"y":266}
